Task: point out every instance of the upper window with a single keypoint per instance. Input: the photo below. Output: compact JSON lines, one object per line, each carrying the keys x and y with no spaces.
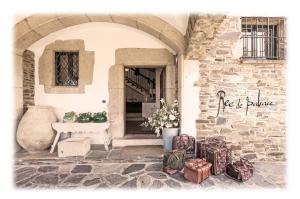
{"x":66,"y":68}
{"x":263,"y":37}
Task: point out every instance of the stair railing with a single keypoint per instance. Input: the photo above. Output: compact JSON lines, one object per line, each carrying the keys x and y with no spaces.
{"x":139,"y":80}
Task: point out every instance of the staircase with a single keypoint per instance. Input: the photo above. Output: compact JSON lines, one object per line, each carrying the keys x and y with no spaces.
{"x":139,"y":82}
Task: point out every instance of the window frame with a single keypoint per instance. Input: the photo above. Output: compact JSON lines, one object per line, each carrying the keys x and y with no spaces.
{"x":69,"y":53}
{"x":266,"y":40}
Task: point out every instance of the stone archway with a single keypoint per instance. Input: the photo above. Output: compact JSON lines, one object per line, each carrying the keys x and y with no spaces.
{"x":35,"y":27}
{"x":137,"y":57}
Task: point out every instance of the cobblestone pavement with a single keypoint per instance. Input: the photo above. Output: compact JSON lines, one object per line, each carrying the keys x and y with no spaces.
{"x":128,"y":167}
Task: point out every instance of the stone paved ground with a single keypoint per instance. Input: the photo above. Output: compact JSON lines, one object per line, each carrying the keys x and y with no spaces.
{"x":128,"y":167}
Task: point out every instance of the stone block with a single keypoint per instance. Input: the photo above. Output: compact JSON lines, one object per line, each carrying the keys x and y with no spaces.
{"x":116,"y":77}
{"x":117,"y":124}
{"x":71,"y":20}
{"x":26,"y":40}
{"x":86,"y":67}
{"x":21,"y":28}
{"x":66,"y":45}
{"x":50,"y":27}
{"x":173,"y":38}
{"x":45,"y":68}
{"x":128,"y":20}
{"x":115,"y":103}
{"x":153,"y":26}
{"x":100,"y":18}
{"x":74,"y":147}
{"x":221,"y":121}
{"x":235,"y":147}
{"x":144,"y":56}
{"x":225,"y":131}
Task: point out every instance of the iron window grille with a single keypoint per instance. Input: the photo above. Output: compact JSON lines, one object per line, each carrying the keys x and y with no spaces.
{"x":263,"y":37}
{"x":66,"y":68}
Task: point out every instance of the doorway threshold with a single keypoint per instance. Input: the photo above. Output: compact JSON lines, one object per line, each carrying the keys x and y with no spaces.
{"x":137,"y":140}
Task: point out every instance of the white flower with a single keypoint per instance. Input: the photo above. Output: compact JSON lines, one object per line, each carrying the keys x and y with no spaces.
{"x":168,"y":125}
{"x":162,"y":100}
{"x":172,"y":117}
{"x":157,"y":131}
{"x":175,"y":124}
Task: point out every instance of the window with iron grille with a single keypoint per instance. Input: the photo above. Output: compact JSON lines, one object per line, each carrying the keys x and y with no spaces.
{"x":66,"y":68}
{"x":263,"y":37}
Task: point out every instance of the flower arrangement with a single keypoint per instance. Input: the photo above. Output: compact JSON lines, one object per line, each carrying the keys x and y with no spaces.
{"x":165,"y":117}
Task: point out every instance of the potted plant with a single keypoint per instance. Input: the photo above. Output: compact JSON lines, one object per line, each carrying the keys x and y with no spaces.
{"x":70,"y":117}
{"x":84,"y":117}
{"x":165,"y":119}
{"x":100,"y":117}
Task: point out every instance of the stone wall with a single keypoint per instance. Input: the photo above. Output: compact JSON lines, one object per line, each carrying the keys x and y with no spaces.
{"x":28,"y":79}
{"x":261,"y":133}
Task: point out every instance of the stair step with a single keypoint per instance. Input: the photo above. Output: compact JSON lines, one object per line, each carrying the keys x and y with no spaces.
{"x":121,"y":142}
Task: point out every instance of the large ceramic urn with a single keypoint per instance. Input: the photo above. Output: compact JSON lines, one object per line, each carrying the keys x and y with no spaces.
{"x":35,"y":132}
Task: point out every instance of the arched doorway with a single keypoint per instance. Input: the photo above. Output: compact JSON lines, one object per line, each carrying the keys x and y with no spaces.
{"x":35,"y":27}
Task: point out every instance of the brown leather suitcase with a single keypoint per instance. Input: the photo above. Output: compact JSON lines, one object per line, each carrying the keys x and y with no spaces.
{"x":241,"y":170}
{"x":185,"y":142}
{"x":197,"y":170}
{"x":216,"y":152}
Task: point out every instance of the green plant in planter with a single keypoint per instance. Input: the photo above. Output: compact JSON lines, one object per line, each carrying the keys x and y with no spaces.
{"x":70,"y":117}
{"x":85,"y":117}
{"x":100,"y":117}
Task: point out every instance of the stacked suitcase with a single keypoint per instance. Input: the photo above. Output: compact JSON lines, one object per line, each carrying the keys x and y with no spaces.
{"x":214,"y":150}
{"x":202,"y":158}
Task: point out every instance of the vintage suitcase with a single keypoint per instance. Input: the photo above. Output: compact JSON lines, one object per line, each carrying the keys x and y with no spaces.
{"x":202,"y":145}
{"x":173,"y":161}
{"x":185,"y":142}
{"x":197,"y":170}
{"x":216,"y":152}
{"x":241,"y":170}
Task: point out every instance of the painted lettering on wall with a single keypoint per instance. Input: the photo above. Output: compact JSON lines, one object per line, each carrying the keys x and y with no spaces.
{"x":238,"y":104}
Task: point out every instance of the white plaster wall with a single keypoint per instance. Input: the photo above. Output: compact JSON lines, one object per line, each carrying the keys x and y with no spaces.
{"x":104,"y":39}
{"x":190,"y":97}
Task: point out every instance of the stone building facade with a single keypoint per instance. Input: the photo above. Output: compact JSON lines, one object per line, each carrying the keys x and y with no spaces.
{"x":215,"y":41}
{"x":212,"y":44}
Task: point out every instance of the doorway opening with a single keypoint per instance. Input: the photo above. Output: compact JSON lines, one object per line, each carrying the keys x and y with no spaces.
{"x":144,"y":87}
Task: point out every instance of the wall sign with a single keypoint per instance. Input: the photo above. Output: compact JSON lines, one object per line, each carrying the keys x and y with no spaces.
{"x":238,"y":104}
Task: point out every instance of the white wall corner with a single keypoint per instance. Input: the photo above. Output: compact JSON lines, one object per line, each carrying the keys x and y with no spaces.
{"x":190,"y":97}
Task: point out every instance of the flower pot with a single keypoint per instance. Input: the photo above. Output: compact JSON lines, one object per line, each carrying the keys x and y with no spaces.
{"x":35,"y":132}
{"x":100,"y":117}
{"x":70,"y":117}
{"x":84,"y":117}
{"x":168,"y":134}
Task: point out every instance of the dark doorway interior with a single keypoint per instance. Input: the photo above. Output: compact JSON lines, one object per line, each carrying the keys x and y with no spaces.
{"x":140,"y":92}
